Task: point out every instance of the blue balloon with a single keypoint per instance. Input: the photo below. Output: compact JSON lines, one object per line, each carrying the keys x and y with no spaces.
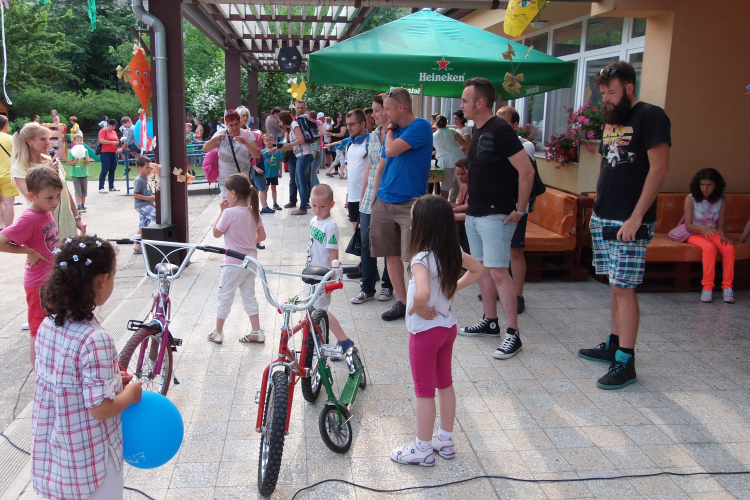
{"x":152,"y":431}
{"x":149,"y":130}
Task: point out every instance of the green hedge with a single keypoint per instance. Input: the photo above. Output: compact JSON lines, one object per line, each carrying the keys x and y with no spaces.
{"x":89,"y":106}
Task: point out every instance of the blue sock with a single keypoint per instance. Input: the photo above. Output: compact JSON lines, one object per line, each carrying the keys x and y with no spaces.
{"x":623,"y":357}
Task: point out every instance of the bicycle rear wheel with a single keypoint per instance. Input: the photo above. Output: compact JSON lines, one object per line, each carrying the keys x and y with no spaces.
{"x":153,"y":382}
{"x":272,"y":435}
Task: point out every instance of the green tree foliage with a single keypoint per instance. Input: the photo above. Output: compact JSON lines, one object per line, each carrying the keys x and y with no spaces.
{"x":34,"y":47}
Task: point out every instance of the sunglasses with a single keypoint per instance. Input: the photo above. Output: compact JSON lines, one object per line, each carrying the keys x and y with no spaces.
{"x":609,"y":73}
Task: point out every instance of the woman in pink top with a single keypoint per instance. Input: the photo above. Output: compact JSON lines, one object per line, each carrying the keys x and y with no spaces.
{"x":242,"y":228}
{"x":109,"y":141}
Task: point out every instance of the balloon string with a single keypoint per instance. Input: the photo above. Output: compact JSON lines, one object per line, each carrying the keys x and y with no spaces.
{"x":5,"y":55}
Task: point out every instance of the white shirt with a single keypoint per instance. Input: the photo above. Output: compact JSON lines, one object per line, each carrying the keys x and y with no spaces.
{"x":227,"y":165}
{"x":699,"y":212}
{"x":447,"y":150}
{"x":438,"y":301}
{"x":356,"y":163}
{"x":302,"y":149}
{"x":324,"y":236}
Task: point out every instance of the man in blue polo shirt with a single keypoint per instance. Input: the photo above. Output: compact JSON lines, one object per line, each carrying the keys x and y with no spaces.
{"x":401,"y":179}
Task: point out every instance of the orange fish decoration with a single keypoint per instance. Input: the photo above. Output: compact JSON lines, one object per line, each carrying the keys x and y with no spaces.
{"x":140,"y":77}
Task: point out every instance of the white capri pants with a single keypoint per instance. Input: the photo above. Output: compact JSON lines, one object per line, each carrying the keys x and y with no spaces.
{"x":231,"y":279}
{"x":112,"y":487}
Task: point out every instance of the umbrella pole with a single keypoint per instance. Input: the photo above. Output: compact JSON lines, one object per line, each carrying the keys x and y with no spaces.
{"x":421,"y":100}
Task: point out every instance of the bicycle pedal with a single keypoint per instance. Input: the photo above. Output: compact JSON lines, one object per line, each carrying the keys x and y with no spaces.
{"x":174,"y":349}
{"x":329,"y":350}
{"x":175,"y":381}
{"x":134,"y":325}
{"x":176,"y":342}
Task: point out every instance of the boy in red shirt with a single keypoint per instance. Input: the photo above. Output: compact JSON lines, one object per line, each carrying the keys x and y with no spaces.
{"x":35,"y":234}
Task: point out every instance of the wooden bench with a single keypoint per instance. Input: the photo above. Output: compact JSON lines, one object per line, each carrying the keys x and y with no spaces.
{"x":556,"y":235}
{"x":673,"y":266}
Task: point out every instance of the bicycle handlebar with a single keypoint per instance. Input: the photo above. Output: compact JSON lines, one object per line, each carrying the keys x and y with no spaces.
{"x":323,"y":286}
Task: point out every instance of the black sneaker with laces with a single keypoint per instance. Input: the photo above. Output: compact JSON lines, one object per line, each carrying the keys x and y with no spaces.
{"x":485,"y":328}
{"x":290,"y":205}
{"x":510,"y":346}
{"x":619,"y":375}
{"x":276,"y":206}
{"x":602,"y":353}
{"x":397,"y":310}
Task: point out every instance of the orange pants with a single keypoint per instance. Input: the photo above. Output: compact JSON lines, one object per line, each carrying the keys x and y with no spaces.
{"x":709,"y":247}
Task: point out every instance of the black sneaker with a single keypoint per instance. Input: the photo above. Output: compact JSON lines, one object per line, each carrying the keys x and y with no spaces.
{"x":397,"y":310}
{"x":619,"y":375}
{"x":521,"y":305}
{"x":290,"y":205}
{"x":510,"y":346}
{"x":350,"y":269}
{"x":485,"y":328}
{"x":277,"y":207}
{"x":355,"y":275}
{"x":601,"y":353}
{"x":260,"y":246}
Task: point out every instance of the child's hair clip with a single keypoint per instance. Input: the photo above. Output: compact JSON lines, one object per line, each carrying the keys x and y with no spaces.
{"x":88,"y":262}
{"x":68,"y":240}
{"x":63,"y":264}
{"x":82,"y":245}
{"x":56,"y":250}
{"x":98,"y":243}
{"x":75,"y":258}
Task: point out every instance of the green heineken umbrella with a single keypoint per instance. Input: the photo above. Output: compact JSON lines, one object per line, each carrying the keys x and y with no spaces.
{"x":437,"y":54}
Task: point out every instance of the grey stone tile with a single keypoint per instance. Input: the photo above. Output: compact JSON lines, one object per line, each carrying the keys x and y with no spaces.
{"x":545,"y":460}
{"x":645,"y":434}
{"x":586,"y":459}
{"x":627,"y":457}
{"x":568,"y":437}
{"x":194,"y":475}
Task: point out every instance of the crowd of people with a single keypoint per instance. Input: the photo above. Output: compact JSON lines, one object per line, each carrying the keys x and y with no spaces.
{"x":386,"y":157}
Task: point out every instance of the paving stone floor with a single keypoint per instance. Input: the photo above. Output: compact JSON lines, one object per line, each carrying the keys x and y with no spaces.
{"x":537,"y":416}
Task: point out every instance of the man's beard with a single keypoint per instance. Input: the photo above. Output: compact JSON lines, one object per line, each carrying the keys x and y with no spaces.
{"x":618,"y":114}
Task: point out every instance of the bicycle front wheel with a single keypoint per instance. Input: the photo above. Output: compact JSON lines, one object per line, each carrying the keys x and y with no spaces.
{"x":311,"y":385}
{"x":153,"y":382}
{"x":272,"y":433}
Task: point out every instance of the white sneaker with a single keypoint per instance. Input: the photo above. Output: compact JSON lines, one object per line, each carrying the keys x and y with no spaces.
{"x":25,"y":326}
{"x":410,"y":455}
{"x":728,"y":295}
{"x":708,"y":296}
{"x":385,"y":294}
{"x":445,"y":449}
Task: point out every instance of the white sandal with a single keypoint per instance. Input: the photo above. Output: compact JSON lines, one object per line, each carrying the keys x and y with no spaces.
{"x":254,"y":337}
{"x":216,"y":337}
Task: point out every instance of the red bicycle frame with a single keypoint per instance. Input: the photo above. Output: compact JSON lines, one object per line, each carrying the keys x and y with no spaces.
{"x":161,"y":310}
{"x":287,"y":358}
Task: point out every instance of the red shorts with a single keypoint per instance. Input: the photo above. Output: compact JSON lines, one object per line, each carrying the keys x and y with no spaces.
{"x":35,"y":313}
{"x":430,"y":355}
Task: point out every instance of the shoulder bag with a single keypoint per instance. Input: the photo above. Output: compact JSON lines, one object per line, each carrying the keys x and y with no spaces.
{"x":231,"y":146}
{"x":680,"y":233}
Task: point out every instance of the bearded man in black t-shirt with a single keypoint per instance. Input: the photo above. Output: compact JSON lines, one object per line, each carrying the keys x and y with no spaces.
{"x":635,"y":158}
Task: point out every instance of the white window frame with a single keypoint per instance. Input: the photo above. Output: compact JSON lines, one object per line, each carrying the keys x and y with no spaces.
{"x":628,"y":46}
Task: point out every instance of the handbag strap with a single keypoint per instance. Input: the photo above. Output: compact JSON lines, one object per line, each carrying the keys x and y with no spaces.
{"x":231,"y":146}
{"x":708,"y":212}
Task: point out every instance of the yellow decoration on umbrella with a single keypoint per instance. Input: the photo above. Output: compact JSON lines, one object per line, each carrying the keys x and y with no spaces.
{"x":519,"y":14}
{"x":297,"y":91}
{"x":123,"y":73}
{"x":512,"y":83}
{"x":508,"y":56}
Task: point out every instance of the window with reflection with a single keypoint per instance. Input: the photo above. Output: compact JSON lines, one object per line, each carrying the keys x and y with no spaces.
{"x":539,"y":42}
{"x":637,"y":61}
{"x":591,"y":92}
{"x":604,"y":32}
{"x":567,"y":40}
{"x":639,"y":27}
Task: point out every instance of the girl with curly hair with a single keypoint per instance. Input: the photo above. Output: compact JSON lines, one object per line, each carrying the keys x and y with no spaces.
{"x":80,"y":391}
{"x":705,"y":217}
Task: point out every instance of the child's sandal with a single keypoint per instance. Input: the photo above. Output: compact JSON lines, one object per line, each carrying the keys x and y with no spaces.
{"x":254,"y":337}
{"x":216,"y":337}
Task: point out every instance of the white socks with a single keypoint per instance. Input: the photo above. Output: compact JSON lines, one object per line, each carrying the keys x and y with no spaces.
{"x":423,"y":446}
{"x":443,"y":435}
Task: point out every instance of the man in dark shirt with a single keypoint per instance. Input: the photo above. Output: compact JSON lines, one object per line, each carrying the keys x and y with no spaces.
{"x":635,"y":159}
{"x":500,"y":180}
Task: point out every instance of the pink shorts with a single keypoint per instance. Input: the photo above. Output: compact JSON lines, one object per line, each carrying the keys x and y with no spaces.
{"x":35,"y":313}
{"x":430,"y":355}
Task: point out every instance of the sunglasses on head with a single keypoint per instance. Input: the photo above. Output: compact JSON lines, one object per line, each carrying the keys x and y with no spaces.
{"x":609,"y":73}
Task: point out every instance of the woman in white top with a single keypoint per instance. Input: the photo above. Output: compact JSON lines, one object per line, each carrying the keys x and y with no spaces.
{"x":295,"y":141}
{"x":233,"y":144}
{"x":447,"y":143}
{"x":705,"y":217}
{"x":462,"y":128}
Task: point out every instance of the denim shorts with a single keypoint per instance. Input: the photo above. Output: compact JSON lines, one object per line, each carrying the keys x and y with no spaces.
{"x":489,"y":239}
{"x":624,"y":262}
{"x":259,"y":180}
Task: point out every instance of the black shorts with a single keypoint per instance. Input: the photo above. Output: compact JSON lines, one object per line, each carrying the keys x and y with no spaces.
{"x":353,"y":211}
{"x":272,"y":181}
{"x":519,"y":236}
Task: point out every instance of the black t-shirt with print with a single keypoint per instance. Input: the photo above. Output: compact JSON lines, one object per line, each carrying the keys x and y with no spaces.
{"x":493,"y":180}
{"x":625,"y":163}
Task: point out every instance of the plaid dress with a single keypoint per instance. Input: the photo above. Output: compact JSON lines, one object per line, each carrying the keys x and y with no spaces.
{"x":76,"y":369}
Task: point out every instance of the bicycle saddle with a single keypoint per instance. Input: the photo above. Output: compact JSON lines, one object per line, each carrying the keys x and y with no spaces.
{"x":314,"y":271}
{"x":165,"y":269}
